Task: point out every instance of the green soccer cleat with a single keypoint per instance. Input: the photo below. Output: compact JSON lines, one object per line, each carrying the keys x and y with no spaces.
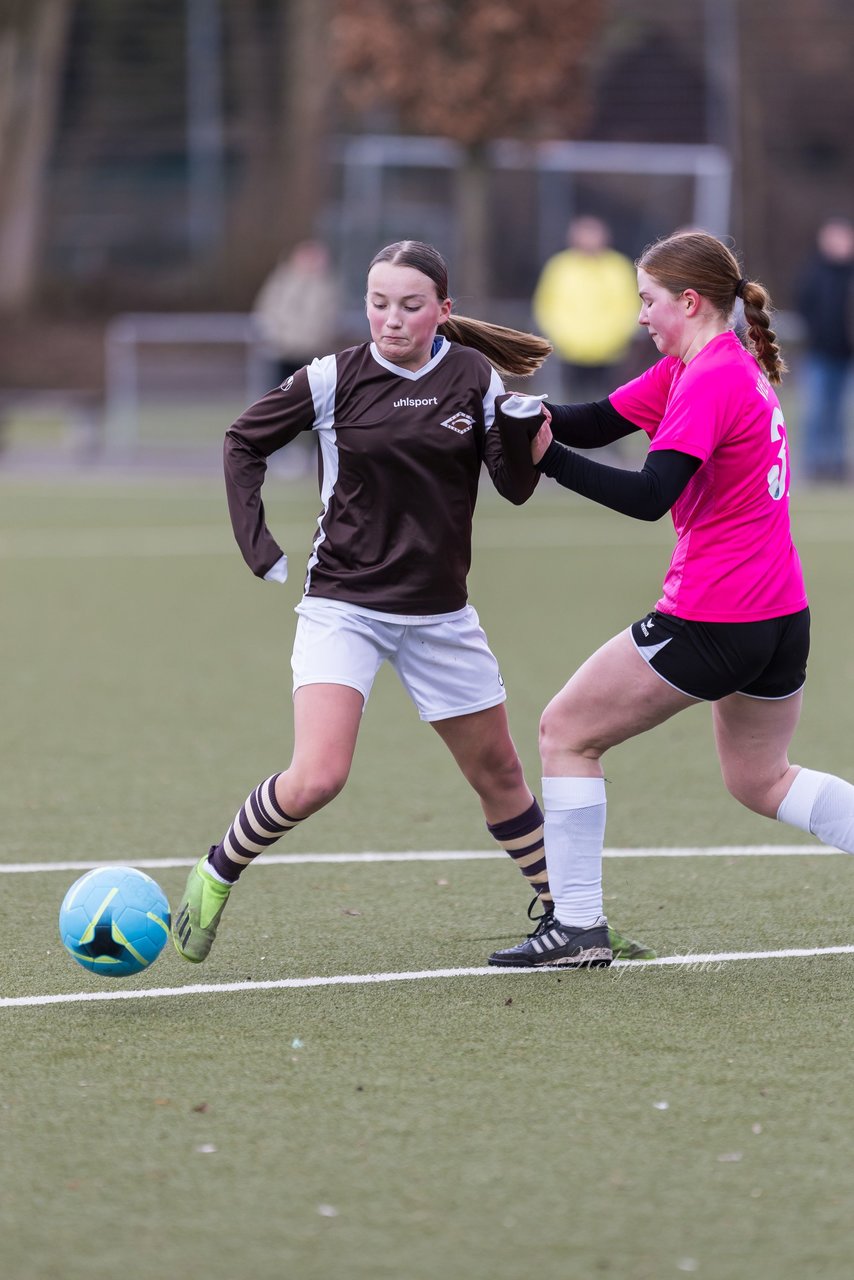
{"x":194,"y":927}
{"x":626,"y":948}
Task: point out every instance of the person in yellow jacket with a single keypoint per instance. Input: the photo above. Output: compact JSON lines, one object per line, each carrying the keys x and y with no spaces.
{"x":586,"y":303}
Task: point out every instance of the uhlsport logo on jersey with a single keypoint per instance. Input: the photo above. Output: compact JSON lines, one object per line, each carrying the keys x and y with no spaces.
{"x":413,"y":402}
{"x":459,"y":422}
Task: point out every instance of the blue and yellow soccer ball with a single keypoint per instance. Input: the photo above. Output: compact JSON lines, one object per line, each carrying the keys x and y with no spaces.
{"x":114,"y":921}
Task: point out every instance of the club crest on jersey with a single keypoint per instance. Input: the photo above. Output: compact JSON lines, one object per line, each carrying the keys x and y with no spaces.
{"x":459,"y":422}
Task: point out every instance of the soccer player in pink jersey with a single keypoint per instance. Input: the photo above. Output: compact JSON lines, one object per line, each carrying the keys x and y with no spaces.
{"x":404,"y":425}
{"x":732,"y":624}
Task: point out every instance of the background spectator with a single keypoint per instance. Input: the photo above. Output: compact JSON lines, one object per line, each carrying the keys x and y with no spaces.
{"x":586,"y":304}
{"x":296,"y":310}
{"x":825,"y":298}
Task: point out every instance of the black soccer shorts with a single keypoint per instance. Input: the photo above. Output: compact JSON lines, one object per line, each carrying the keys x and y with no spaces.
{"x":710,"y":660}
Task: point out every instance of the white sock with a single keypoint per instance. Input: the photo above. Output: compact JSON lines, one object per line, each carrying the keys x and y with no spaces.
{"x":574,"y":835}
{"x":214,"y":874}
{"x":823,"y":805}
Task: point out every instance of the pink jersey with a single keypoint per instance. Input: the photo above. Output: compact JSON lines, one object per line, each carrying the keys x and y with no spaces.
{"x":734,"y":559}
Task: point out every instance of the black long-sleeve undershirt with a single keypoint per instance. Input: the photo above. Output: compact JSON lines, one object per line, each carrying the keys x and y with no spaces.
{"x":645,"y":495}
{"x":589,"y":426}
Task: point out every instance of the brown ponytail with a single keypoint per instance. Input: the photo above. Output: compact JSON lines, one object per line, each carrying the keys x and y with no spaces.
{"x":508,"y":350}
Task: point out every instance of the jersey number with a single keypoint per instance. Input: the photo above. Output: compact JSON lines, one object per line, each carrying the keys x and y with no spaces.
{"x":778,"y":475}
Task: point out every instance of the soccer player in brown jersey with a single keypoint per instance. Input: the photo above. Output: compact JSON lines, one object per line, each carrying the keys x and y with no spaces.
{"x":404,"y":424}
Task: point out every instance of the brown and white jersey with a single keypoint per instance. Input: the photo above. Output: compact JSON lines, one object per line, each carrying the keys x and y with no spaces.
{"x":400,"y":459}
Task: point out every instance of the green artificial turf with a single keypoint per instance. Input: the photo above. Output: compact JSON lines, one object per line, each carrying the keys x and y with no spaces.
{"x":642,"y":1122}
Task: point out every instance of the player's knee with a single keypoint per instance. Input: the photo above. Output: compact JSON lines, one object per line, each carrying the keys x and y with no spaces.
{"x":509,"y":767}
{"x":557,"y":732}
{"x":566,"y":740}
{"x":308,"y":794}
{"x":750,"y":792}
{"x":498,"y":769}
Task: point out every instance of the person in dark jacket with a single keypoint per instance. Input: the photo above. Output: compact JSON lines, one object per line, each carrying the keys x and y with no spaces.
{"x":825,"y":302}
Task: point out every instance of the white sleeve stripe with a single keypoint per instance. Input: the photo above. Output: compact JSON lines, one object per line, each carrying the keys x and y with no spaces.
{"x":495,"y":388}
{"x":323,"y":379}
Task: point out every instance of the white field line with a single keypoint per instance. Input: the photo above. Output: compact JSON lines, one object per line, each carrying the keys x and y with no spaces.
{"x":705,"y":963}
{"x":433,"y":855}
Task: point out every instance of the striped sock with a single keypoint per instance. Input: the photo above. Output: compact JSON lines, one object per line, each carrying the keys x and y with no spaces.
{"x":257,"y":825}
{"x":522,"y":838}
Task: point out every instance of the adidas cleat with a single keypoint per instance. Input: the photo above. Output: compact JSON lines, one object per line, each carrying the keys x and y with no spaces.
{"x":197,"y":920}
{"x":623,"y":948}
{"x":543,"y":921}
{"x":559,"y":946}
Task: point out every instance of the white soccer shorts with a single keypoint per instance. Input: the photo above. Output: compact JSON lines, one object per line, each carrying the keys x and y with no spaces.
{"x":447,"y":667}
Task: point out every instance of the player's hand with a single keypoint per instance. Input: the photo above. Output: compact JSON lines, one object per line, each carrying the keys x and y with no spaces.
{"x":543,"y":438}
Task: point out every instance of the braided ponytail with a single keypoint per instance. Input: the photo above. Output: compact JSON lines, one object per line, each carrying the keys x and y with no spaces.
{"x":761,"y":338}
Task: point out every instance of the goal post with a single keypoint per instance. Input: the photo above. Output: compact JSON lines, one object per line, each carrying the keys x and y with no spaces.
{"x":126,"y":387}
{"x":385,"y":182}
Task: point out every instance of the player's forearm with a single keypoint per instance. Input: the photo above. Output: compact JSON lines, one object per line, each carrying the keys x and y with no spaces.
{"x":244,"y":475}
{"x":589,"y":426}
{"x":644,"y":495}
